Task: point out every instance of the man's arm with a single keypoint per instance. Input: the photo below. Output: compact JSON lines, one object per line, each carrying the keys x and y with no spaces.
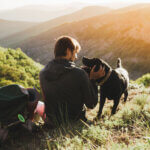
{"x":89,"y":90}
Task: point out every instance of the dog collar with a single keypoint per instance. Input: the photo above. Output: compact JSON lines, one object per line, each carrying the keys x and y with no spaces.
{"x":105,"y":79}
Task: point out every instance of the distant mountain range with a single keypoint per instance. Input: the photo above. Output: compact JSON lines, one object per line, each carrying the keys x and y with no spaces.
{"x":40,"y":13}
{"x":134,"y":7}
{"x":123,"y":33}
{"x":10,"y":27}
{"x":84,"y":13}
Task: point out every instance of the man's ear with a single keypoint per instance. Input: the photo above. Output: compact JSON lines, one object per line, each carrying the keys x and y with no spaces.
{"x":68,"y":52}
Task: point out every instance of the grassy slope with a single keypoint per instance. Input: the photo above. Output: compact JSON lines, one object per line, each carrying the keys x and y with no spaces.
{"x":145,"y":80}
{"x":16,"y":67}
{"x":128,"y":129}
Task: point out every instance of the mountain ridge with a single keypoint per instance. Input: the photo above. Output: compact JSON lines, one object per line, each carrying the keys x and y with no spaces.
{"x":10,"y":27}
{"x":40,"y":13}
{"x":43,"y":27}
{"x":106,"y":36}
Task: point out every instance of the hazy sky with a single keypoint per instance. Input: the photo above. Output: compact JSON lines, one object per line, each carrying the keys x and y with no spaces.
{"x":10,"y":4}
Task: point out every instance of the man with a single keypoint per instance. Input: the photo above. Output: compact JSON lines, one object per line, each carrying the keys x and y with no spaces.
{"x":66,"y":88}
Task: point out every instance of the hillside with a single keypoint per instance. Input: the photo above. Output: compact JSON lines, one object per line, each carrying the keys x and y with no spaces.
{"x":107,"y":36}
{"x":84,"y":13}
{"x":10,"y":27}
{"x":17,"y":68}
{"x":128,"y":129}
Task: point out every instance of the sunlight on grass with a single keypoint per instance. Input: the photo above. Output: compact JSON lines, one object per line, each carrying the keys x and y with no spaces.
{"x":141,"y":100}
{"x":125,"y":130}
{"x":128,"y":129}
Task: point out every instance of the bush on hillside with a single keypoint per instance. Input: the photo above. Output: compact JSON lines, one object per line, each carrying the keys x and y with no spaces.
{"x":18,"y":68}
{"x":145,"y":80}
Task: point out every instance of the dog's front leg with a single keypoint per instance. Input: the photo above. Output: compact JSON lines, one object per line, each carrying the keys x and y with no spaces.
{"x":101,"y":105}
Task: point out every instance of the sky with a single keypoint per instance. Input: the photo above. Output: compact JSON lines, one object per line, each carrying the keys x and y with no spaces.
{"x":11,"y":4}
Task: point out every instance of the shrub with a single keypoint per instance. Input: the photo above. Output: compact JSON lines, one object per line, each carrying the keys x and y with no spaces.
{"x":141,"y":100}
{"x":18,"y":68}
{"x":145,"y":79}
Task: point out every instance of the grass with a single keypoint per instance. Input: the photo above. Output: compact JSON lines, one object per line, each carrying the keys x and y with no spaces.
{"x":17,"y":68}
{"x":128,"y":129}
{"x":145,"y":80}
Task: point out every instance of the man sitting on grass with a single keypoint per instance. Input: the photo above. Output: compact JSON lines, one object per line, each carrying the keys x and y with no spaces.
{"x":65,"y":87}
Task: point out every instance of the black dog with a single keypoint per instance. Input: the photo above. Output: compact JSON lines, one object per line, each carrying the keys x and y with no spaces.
{"x":113,"y":84}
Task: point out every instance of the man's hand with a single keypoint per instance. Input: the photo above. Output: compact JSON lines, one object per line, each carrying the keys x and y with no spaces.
{"x":96,"y":75}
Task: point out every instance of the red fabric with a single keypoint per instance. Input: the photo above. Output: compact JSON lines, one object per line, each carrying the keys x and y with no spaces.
{"x":40,"y":109}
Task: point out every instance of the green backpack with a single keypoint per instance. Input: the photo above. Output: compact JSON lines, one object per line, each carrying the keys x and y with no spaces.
{"x":13,"y":101}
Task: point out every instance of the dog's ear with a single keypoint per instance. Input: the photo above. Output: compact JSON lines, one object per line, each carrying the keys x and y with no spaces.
{"x":97,"y":62}
{"x":105,"y":64}
{"x":85,"y":60}
{"x":88,"y":62}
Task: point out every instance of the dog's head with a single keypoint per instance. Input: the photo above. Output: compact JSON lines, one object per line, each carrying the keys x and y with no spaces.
{"x":90,"y":63}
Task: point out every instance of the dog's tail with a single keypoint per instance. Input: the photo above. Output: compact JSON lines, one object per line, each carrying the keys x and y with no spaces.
{"x":119,"y":65}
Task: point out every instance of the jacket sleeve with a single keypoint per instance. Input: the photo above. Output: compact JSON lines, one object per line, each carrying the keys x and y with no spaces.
{"x":89,"y":91}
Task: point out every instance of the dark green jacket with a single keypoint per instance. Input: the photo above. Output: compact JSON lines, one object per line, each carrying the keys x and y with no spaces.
{"x":66,"y":89}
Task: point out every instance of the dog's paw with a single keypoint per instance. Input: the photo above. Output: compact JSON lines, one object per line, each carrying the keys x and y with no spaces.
{"x":109,"y":117}
{"x":124,"y":101}
{"x":96,"y":119}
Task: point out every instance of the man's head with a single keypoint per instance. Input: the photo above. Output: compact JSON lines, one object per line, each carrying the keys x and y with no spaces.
{"x":66,"y":47}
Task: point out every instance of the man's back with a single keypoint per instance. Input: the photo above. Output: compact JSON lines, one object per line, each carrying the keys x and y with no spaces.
{"x":66,"y":89}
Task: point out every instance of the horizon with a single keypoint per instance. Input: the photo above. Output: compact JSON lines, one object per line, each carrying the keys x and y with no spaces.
{"x":115,"y":4}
